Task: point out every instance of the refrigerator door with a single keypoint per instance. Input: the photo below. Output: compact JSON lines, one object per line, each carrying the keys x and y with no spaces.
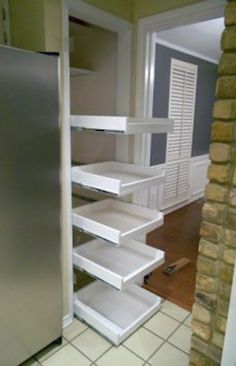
{"x":30,"y":274}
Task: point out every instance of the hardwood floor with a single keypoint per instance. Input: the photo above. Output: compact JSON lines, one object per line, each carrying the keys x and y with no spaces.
{"x":178,"y":237}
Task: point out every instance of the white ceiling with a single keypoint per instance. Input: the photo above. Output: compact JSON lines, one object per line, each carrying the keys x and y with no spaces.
{"x":200,"y":39}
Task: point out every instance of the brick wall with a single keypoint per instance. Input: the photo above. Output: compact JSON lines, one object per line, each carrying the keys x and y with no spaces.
{"x":217,"y":249}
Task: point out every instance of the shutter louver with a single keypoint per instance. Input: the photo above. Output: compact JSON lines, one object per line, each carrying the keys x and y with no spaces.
{"x":182,"y":96}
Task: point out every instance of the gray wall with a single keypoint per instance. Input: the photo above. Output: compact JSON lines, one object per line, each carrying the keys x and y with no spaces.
{"x":207,"y":74}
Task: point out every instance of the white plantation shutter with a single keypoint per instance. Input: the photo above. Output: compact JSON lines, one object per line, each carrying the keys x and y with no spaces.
{"x":182,"y":96}
{"x":171,"y":183}
{"x":176,"y":188}
{"x":183,"y":179}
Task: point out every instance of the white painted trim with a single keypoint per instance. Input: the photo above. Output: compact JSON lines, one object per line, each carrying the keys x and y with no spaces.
{"x":142,"y":143}
{"x":177,"y":206}
{"x":67,"y":320}
{"x":161,"y":166}
{"x":150,"y":197}
{"x":201,"y":11}
{"x":205,"y":10}
{"x":105,"y":20}
{"x":229,"y":350}
{"x":197,"y":195}
{"x":184,"y":203}
{"x":155,"y":194}
{"x":185,"y":50}
{"x":200,"y":160}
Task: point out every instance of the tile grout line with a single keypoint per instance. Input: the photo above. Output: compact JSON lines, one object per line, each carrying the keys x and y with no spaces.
{"x":145,"y":361}
{"x":163,"y":341}
{"x":180,"y":321}
{"x":72,"y":339}
{"x":157,"y":349}
{"x":131,"y":351}
{"x":54,"y":352}
{"x":179,"y":349}
{"x":89,"y":327}
{"x":135,"y":354}
{"x":98,"y":358}
{"x":79,"y":351}
{"x":166,"y":340}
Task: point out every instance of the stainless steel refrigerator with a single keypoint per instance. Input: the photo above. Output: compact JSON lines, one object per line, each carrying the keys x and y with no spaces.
{"x":30,"y":274}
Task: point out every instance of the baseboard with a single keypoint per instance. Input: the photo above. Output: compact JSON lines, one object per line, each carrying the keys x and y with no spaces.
{"x":197,"y":195}
{"x":175,"y":207}
{"x":67,"y":320}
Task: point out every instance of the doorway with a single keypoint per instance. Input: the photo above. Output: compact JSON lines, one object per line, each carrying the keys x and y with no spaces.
{"x":182,"y":88}
{"x":148,"y":28}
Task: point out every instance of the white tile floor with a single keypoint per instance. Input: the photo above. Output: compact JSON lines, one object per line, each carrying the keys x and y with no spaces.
{"x":164,"y":340}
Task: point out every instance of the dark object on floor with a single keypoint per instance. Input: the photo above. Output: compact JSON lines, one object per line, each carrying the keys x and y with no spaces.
{"x":58,"y":341}
{"x":176,"y":266}
{"x":179,"y":238}
{"x":146,"y":278}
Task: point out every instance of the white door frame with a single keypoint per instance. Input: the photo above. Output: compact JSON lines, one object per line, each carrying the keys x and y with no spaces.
{"x":123,"y":29}
{"x":147,"y":28}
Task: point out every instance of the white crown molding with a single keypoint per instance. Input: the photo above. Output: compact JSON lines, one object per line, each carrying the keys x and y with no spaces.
{"x":203,"y":10}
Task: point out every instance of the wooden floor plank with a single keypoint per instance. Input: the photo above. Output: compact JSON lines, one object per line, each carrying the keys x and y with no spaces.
{"x":178,"y":237}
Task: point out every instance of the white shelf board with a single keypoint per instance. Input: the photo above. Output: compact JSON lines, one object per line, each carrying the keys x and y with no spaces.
{"x":123,"y":125}
{"x":119,"y":266}
{"x":75,"y":71}
{"x":116,"y":221}
{"x":117,"y":178}
{"x":113,"y":313}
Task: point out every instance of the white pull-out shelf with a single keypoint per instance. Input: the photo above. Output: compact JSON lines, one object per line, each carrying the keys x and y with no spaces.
{"x":120,"y":266}
{"x":116,"y":221}
{"x":117,"y":178}
{"x":113,"y":313}
{"x":123,"y":125}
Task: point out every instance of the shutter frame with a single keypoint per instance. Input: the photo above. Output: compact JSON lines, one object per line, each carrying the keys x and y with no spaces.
{"x":182,"y":98}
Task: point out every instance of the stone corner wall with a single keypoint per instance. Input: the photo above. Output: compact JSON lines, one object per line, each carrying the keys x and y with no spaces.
{"x":217,"y":249}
